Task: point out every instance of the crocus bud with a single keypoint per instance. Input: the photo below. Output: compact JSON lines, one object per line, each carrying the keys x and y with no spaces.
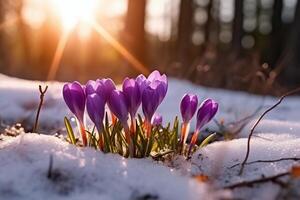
{"x":150,"y":102}
{"x":188,"y":107}
{"x":102,"y":87}
{"x":161,"y":80}
{"x":95,"y":108}
{"x":157,"y":120}
{"x":206,"y":112}
{"x":117,"y":105}
{"x":132,"y":95}
{"x":74,"y":97}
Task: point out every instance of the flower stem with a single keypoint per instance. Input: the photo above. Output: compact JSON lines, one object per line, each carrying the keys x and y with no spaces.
{"x":113,"y":119}
{"x":83,"y":133}
{"x":129,"y":140}
{"x":184,"y":133}
{"x":193,"y":142}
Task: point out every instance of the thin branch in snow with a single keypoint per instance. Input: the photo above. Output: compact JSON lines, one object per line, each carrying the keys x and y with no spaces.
{"x":274,"y":179}
{"x":266,"y":161}
{"x":239,"y":125}
{"x":49,"y":174}
{"x":42,"y":94}
{"x":257,"y":122}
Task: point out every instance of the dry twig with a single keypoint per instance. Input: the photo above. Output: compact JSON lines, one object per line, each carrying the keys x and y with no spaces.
{"x":49,"y":174}
{"x":42,"y":94}
{"x":267,"y":161}
{"x":257,"y":122}
{"x":273,"y":179}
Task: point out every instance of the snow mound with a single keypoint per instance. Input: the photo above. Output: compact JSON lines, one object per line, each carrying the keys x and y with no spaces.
{"x":86,"y":174}
{"x":217,"y":160}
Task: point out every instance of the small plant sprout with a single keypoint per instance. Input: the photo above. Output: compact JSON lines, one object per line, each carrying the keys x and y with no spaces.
{"x":128,"y":133}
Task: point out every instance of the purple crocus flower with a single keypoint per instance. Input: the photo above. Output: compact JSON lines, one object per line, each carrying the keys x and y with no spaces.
{"x":188,"y":107}
{"x":154,"y":93}
{"x":150,"y":101}
{"x":74,"y":97}
{"x":102,"y":87}
{"x":156,"y":77}
{"x":95,"y":108}
{"x":157,"y":120}
{"x":132,"y":95}
{"x":117,"y":105}
{"x":206,"y":112}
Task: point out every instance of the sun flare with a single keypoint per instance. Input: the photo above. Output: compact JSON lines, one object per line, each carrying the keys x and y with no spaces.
{"x":72,"y":12}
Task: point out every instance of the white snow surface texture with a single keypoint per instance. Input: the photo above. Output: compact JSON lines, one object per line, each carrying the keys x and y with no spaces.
{"x":86,"y":173}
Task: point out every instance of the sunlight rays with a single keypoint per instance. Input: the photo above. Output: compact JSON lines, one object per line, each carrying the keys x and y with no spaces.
{"x":58,"y":55}
{"x":108,"y":37}
{"x":70,"y":18}
{"x":8,"y":22}
{"x":120,"y":48}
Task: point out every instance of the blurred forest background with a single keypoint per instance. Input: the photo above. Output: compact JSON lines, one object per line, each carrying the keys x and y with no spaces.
{"x":251,"y":45}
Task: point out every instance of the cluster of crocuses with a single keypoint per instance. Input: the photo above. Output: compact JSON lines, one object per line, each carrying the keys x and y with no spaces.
{"x":123,"y":104}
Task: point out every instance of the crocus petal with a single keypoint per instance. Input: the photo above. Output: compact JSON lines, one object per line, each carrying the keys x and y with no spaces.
{"x":95,"y":108}
{"x":206,"y":112}
{"x":155,"y":75}
{"x":74,"y":97}
{"x":188,"y":107}
{"x":157,"y":120}
{"x":160,"y":82}
{"x":132,"y":94}
{"x":150,"y":102}
{"x":117,"y":105}
{"x":143,"y":82}
{"x":91,"y":87}
{"x":102,"y":87}
{"x":108,"y":85}
{"x":159,"y":88}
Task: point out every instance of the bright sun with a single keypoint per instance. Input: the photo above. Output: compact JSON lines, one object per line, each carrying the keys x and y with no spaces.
{"x":72,"y":12}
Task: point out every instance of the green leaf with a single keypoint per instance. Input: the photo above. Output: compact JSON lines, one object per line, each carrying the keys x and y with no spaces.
{"x":92,"y":139}
{"x":207,"y":140}
{"x":70,"y":131}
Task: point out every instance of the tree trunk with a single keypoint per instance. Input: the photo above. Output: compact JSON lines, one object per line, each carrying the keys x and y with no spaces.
{"x":134,"y":33}
{"x":237,"y":29}
{"x":276,"y":40}
{"x":185,"y":29}
{"x":4,"y":59}
{"x":290,"y":60}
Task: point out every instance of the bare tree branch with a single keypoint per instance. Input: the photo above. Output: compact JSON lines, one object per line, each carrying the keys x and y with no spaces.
{"x":257,"y":122}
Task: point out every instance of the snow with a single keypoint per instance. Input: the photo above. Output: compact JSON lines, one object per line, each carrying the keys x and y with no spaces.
{"x":88,"y":173}
{"x":216,"y":161}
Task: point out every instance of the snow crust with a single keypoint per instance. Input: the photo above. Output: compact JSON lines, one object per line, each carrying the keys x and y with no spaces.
{"x":86,"y":174}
